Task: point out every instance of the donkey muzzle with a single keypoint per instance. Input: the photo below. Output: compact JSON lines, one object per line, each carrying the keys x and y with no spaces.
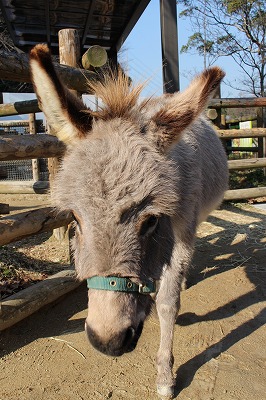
{"x":123,"y":342}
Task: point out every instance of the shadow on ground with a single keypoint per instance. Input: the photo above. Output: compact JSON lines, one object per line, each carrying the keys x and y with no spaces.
{"x":238,"y":242}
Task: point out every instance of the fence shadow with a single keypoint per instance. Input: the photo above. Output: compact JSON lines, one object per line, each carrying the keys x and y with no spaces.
{"x":235,"y":242}
{"x":187,"y":371}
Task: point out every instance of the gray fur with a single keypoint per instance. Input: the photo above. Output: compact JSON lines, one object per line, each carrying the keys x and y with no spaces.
{"x":127,"y":168}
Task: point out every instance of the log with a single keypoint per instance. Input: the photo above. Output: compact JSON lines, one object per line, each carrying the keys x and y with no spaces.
{"x":24,"y":187}
{"x":23,"y":147}
{"x":241,"y":133}
{"x":4,"y":208}
{"x":26,"y":302}
{"x":15,"y":67}
{"x":18,"y":226}
{"x":238,"y":103}
{"x":240,"y":194}
{"x":95,"y":56}
{"x":247,"y":163}
{"x":69,"y":54}
{"x":19,"y":107}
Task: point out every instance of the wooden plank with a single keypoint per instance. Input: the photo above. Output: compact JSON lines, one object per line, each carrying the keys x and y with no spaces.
{"x":247,"y":163}
{"x":241,"y":194}
{"x":18,"y":226}
{"x":238,"y":103}
{"x":24,"y":303}
{"x":24,"y":187}
{"x":15,"y":67}
{"x":241,"y":133}
{"x":23,"y":147}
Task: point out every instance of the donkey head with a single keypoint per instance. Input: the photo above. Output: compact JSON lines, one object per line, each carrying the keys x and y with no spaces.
{"x":122,"y":189}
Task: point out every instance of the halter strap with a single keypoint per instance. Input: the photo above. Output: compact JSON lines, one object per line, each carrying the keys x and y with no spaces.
{"x":118,"y":284}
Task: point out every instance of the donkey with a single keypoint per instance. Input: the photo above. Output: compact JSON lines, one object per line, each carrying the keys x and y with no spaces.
{"x":138,"y":178}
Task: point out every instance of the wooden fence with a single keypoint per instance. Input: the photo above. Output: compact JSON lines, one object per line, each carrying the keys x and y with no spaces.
{"x":18,"y":226}
{"x":260,"y":133}
{"x":48,"y":146}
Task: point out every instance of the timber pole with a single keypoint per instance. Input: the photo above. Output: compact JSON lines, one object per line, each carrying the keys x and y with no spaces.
{"x":35,"y":161}
{"x":69,"y":54}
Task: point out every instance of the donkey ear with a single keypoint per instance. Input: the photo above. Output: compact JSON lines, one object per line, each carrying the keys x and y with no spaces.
{"x":66,"y":114}
{"x":182,"y":108}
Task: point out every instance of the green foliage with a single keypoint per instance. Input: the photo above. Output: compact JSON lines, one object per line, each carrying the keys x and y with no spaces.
{"x":196,"y":41}
{"x":230,"y":28}
{"x":247,"y":179}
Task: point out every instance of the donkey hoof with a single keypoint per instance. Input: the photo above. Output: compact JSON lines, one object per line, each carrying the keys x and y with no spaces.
{"x":165,"y":392}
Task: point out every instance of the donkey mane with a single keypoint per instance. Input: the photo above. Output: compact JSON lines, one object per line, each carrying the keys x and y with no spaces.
{"x":119,"y":96}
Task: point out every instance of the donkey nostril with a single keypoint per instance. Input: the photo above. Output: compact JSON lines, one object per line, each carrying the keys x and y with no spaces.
{"x":129,"y":336}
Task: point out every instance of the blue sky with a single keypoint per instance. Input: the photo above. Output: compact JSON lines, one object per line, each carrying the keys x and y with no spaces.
{"x":141,"y":52}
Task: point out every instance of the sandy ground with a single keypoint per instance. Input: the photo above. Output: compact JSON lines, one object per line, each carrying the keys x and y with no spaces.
{"x":219,"y":342}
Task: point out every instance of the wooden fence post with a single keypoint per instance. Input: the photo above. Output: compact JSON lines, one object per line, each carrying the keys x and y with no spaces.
{"x":35,"y":161}
{"x":69,"y":54}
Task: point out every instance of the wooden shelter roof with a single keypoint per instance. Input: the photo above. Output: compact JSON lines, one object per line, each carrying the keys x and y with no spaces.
{"x":103,"y":22}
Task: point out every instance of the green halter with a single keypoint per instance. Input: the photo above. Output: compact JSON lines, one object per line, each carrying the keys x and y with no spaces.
{"x":118,"y":284}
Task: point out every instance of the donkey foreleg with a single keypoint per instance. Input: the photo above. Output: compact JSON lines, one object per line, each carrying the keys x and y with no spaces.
{"x":167,"y":304}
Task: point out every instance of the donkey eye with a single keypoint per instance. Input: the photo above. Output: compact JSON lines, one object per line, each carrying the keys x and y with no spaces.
{"x":149,"y":225}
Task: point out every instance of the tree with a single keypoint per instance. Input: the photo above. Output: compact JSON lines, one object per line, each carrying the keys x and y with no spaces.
{"x":235,"y":28}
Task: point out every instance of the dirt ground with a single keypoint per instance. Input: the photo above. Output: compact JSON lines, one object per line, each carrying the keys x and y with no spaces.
{"x":219,"y":342}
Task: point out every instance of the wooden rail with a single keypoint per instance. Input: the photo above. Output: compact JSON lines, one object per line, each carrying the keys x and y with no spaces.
{"x":23,"y":147}
{"x":19,"y":226}
{"x":241,"y":133}
{"x":249,"y":163}
{"x":241,"y":194}
{"x":21,"y":305}
{"x":24,"y":187}
{"x":238,"y":103}
{"x":19,"y":108}
{"x":15,"y":67}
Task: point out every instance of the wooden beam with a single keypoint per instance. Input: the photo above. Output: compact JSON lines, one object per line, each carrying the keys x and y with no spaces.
{"x":169,"y":41}
{"x":24,"y":187}
{"x":20,"y":305}
{"x":23,"y":147}
{"x":240,"y":194}
{"x":247,"y":163}
{"x":19,"y":226}
{"x":238,"y":103}
{"x":129,"y":25}
{"x":241,"y":133}
{"x":91,"y":8}
{"x":15,"y":67}
{"x":19,"y":107}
